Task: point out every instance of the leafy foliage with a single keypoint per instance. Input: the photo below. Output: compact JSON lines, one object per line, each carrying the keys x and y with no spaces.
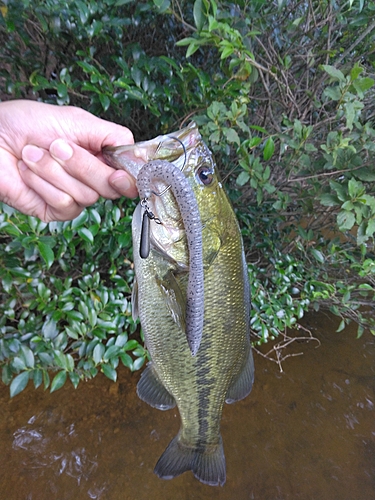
{"x":284,"y":96}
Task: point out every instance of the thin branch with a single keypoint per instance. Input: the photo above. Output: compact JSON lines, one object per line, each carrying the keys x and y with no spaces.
{"x":359,"y":40}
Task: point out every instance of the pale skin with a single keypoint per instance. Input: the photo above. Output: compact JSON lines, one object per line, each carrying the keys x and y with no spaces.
{"x":51,"y":165}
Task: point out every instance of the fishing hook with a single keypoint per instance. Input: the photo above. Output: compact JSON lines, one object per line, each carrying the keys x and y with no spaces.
{"x":183,"y":166}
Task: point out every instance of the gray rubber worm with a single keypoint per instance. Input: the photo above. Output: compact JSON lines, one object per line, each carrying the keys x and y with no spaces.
{"x":188,"y":206}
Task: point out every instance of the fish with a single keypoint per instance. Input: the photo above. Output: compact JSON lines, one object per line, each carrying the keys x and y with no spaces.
{"x":220,"y":367}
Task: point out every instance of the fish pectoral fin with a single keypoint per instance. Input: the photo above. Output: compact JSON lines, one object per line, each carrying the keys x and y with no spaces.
{"x":211,"y":247}
{"x":174,"y":299}
{"x":134,"y":300}
{"x":207,"y":465}
{"x":242,"y":384}
{"x":152,"y":391}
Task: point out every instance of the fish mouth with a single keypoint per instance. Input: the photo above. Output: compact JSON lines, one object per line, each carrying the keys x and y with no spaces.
{"x":175,"y":148}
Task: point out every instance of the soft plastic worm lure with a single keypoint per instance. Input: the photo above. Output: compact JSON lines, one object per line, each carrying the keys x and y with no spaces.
{"x":187,"y":204}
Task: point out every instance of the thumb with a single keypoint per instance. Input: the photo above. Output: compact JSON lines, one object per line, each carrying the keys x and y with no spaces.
{"x":123,"y":183}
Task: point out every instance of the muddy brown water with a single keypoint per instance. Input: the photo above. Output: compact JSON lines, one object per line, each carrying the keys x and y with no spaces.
{"x":307,"y":433}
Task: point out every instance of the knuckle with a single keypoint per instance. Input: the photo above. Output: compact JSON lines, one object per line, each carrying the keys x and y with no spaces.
{"x":91,"y":198}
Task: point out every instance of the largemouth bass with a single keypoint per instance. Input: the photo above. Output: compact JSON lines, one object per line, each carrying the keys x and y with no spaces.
{"x":221,"y":369}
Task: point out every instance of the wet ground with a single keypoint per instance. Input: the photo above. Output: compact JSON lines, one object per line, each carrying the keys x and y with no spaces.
{"x":307,"y":433}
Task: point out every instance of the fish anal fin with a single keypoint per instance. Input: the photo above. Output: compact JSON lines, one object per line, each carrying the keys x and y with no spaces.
{"x":243,"y":383}
{"x":174,"y":299}
{"x":208,"y":466}
{"x":151,"y":390}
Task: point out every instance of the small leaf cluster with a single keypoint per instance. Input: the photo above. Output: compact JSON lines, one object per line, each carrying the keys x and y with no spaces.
{"x":65,"y":299}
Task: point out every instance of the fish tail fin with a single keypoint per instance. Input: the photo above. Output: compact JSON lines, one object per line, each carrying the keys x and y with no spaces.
{"x":207,"y":465}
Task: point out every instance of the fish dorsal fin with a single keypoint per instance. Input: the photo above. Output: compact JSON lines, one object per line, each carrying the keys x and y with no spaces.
{"x":135,"y":311}
{"x":174,"y":299}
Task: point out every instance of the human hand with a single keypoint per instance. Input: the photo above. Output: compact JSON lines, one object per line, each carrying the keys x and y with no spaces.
{"x":50,"y":159}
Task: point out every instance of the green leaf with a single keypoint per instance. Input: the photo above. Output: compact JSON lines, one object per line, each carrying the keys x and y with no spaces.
{"x":318,"y":255}
{"x":138,"y":363}
{"x":69,"y":362}
{"x":19,"y":383}
{"x":333,"y":72}
{"x":131,"y":345}
{"x":49,"y":329}
{"x":7,"y":374}
{"x":98,"y":353}
{"x":80,"y":220}
{"x":83,"y":11}
{"x":355,"y":188}
{"x":259,"y":129}
{"x":243,"y":178}
{"x":231,"y":136}
{"x":199,"y":17}
{"x":18,"y":364}
{"x":193,"y":47}
{"x":111,"y":352}
{"x":333,"y":93}
{"x":37,"y":378}
{"x":47,"y":253}
{"x":29,"y":356}
{"x":345,"y":220}
{"x":269,"y":149}
{"x":370,"y":230}
{"x":74,"y":377}
{"x":186,"y":41}
{"x":329,"y":200}
{"x":254,"y":141}
{"x":126,"y":360}
{"x":355,"y":72}
{"x":104,"y":101}
{"x":350,"y":112}
{"x":363,"y":84}
{"x":341,"y":326}
{"x":360,"y":331}
{"x":365,"y":174}
{"x":58,"y":381}
{"x":365,"y":286}
{"x":86,"y":234}
{"x":227,"y":51}
{"x":121,"y":339}
{"x":109,"y":372}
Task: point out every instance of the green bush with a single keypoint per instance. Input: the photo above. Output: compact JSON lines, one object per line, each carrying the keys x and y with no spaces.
{"x":284,"y":96}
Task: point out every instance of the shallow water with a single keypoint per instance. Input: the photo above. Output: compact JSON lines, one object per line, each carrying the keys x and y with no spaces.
{"x":307,"y":433}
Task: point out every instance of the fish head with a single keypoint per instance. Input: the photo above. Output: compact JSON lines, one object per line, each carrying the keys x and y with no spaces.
{"x":170,"y":147}
{"x":186,"y":150}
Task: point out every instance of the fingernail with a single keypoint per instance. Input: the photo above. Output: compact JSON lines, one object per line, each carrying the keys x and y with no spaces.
{"x":121,"y":182}
{"x":32,"y":153}
{"x":22,"y":166}
{"x":61,"y":150}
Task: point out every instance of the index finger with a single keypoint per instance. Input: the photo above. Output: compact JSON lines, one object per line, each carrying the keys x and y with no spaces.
{"x":89,"y":169}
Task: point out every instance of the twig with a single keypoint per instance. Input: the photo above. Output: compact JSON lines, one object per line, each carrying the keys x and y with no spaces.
{"x":359,"y":40}
{"x":277,"y":349}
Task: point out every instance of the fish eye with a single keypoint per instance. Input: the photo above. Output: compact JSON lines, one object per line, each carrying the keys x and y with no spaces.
{"x":205,"y":175}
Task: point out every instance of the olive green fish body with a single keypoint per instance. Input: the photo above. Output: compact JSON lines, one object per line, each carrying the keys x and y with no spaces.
{"x":222,"y":370}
